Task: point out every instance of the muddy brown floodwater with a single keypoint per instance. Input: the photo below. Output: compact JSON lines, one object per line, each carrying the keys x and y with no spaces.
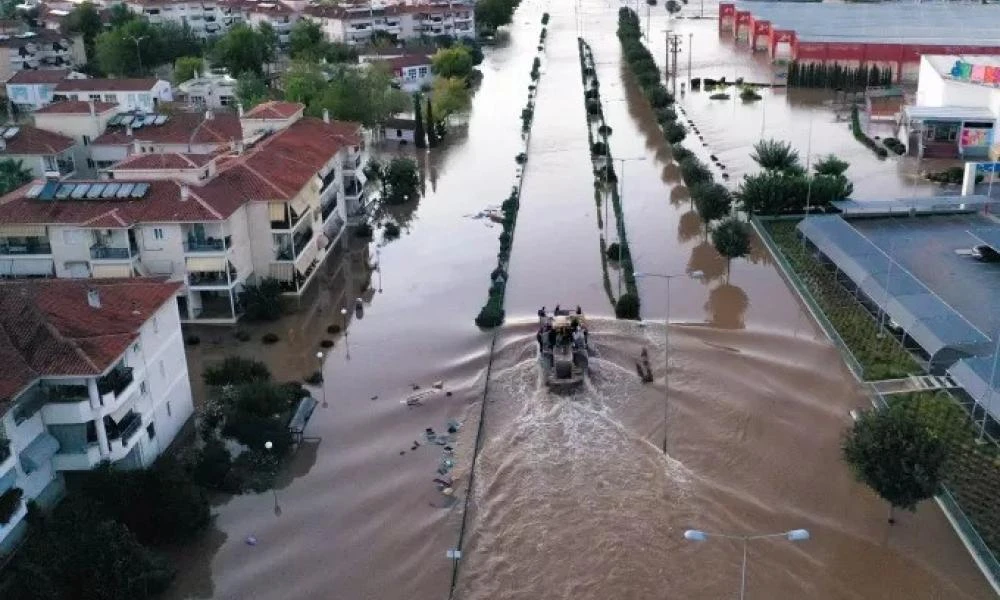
{"x":573,"y":497}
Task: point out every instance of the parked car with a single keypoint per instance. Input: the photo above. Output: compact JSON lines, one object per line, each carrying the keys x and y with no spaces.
{"x":985,"y":254}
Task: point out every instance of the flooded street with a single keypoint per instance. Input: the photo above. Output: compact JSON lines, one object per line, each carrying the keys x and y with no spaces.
{"x":573,"y":497}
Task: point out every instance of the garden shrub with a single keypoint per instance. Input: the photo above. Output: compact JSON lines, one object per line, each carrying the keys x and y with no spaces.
{"x":236,"y":370}
{"x":262,"y":300}
{"x":674,"y":132}
{"x":862,"y":137}
{"x":390,"y":231}
{"x":627,"y":307}
{"x":693,"y":171}
{"x":269,"y":338}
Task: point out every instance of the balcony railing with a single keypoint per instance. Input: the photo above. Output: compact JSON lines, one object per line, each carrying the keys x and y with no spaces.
{"x":353,"y":188}
{"x":29,"y":248}
{"x":115,"y":381}
{"x":352,"y":163}
{"x":130,"y":425}
{"x":209,"y":245}
{"x":327,"y":209}
{"x":98,"y":252}
{"x":69,"y":394}
{"x":211,"y":278}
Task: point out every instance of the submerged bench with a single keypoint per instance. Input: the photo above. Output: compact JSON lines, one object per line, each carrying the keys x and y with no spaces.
{"x":300,"y":418}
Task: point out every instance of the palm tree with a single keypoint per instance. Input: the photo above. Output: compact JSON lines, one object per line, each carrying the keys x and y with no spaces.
{"x":13,"y":175}
{"x":773,"y":155}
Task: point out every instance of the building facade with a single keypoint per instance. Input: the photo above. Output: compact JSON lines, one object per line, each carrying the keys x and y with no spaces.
{"x":95,"y":371}
{"x":212,"y":222}
{"x":205,"y":19}
{"x":130,"y":94}
{"x":41,"y":50}
{"x":31,"y":90}
{"x":358,"y":23}
{"x":45,"y":153}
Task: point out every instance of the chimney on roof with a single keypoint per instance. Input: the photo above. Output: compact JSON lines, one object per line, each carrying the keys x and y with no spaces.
{"x":209,"y":115}
{"x":137,"y":147}
{"x":128,"y":130}
{"x":185,"y":192}
{"x":326,"y":116}
{"x":93,"y":298}
{"x":93,"y":108}
{"x":239,"y":109}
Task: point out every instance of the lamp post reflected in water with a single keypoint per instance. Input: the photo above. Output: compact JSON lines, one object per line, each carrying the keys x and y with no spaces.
{"x":347,"y":342}
{"x":322,"y":378}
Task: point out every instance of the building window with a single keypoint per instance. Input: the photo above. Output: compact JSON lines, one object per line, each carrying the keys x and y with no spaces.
{"x":110,"y":98}
{"x":135,"y":347}
{"x":86,"y":140}
{"x":143,"y":388}
{"x":72,"y":236}
{"x":157,"y":233}
{"x":156,"y":325}
{"x":95,"y":97}
{"x":169,"y":412}
{"x":423,"y":71}
{"x":151,"y":431}
{"x":163,"y":371}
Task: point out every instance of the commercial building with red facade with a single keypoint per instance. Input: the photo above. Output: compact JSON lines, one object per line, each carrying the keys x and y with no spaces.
{"x":889,"y":35}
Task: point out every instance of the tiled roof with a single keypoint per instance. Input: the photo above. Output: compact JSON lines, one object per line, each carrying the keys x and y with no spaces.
{"x":32,"y":77}
{"x":401,"y":62}
{"x":279,"y":166}
{"x":106,"y":85}
{"x":48,"y":328}
{"x":31,"y":140}
{"x":41,"y":36}
{"x":75,"y":107}
{"x":166,"y":161}
{"x":180,"y":128}
{"x":274,"y":109}
{"x":161,"y":204}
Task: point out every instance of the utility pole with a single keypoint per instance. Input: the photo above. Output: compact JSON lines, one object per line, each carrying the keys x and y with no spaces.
{"x":690,"y":52}
{"x":673,"y":47}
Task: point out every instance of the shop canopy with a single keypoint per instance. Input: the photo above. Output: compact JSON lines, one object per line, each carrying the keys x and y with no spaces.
{"x":931,"y":322}
{"x":948,"y":113}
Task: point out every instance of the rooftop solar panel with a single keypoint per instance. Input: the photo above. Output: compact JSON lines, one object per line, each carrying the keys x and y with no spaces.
{"x":35,"y":190}
{"x":109,"y":191}
{"x":11,"y":132}
{"x":125,"y":190}
{"x":49,"y":190}
{"x":140,"y":190}
{"x":115,"y":120}
{"x":64,"y":191}
{"x":161,"y":119}
{"x":81,"y":190}
{"x":95,"y":191}
{"x":125,"y":119}
{"x":149,"y":120}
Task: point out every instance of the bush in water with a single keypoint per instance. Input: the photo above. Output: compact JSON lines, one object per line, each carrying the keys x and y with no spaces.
{"x":627,"y":307}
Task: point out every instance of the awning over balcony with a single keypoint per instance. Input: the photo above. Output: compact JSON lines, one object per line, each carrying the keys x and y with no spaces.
{"x":39,"y":452}
{"x":108,"y":271}
{"x":210,"y":264}
{"x":22,"y":231}
{"x":306,"y":258}
{"x":26,"y":266}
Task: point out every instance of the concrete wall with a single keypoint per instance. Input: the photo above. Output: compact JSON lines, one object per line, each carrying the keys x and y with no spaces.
{"x":162,"y":256}
{"x":69,"y":244}
{"x":75,"y":126}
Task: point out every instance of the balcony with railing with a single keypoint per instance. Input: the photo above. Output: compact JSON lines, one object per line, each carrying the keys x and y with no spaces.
{"x":353,"y":187}
{"x":114,"y":244}
{"x":115,"y":381}
{"x":287,"y":247}
{"x":289,"y":218}
{"x":4,"y":453}
{"x":329,"y":208}
{"x":209,"y":245}
{"x":25,"y":246}
{"x":213,"y":279}
{"x":352,"y":161}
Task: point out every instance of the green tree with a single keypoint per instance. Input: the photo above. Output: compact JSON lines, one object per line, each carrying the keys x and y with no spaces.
{"x":450,"y":96}
{"x":187,"y":67}
{"x":304,"y":82}
{"x":244,"y":50}
{"x":85,"y":20}
{"x":831,"y":165}
{"x":673,"y":7}
{"x":262,"y":300}
{"x":339,"y":52}
{"x":895,"y":455}
{"x":13,"y":175}
{"x":432,"y":136}
{"x":492,"y":14}
{"x":627,"y":307}
{"x":774,"y":155}
{"x":251,"y":89}
{"x":419,"y":137}
{"x":674,"y":132}
{"x":363,"y":95}
{"x":80,"y":553}
{"x":731,"y":239}
{"x":712,"y":201}
{"x":306,"y":40}
{"x":118,"y":54}
{"x":235,"y":370}
{"x":401,"y":181}
{"x":119,"y":14}
{"x":452,"y":62}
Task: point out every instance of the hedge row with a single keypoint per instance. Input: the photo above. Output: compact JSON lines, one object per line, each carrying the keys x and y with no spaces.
{"x":862,"y":137}
{"x":837,"y":77}
{"x":627,"y":305}
{"x":492,"y":313}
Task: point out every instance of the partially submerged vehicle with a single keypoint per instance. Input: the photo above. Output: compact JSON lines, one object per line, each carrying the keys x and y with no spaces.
{"x":564,"y":349}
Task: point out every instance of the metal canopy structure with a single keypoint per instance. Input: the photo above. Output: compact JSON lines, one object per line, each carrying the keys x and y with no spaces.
{"x":931,"y":322}
{"x":926,"y":205}
{"x":975,"y":375}
{"x":948,"y":113}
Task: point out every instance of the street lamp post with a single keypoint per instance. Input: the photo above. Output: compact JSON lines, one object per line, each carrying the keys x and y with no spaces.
{"x":621,"y":196}
{"x":666,"y":343}
{"x":322,"y":379}
{"x":277,"y":509}
{"x":795,"y":535}
{"x":347,"y":342}
{"x":138,"y":53}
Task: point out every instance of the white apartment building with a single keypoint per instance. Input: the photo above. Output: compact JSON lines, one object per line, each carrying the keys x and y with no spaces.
{"x":82,"y":121}
{"x":355,"y":23}
{"x":208,"y":90}
{"x":143,"y":94}
{"x":206,"y":18}
{"x":210,"y":221}
{"x":93,"y":371}
{"x":278,"y":15}
{"x":35,"y":51}
{"x":31,"y":90}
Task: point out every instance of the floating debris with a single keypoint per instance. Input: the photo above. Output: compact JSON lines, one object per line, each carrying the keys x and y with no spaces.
{"x":251,"y":540}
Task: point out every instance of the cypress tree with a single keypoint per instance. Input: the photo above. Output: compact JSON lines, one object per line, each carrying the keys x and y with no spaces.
{"x":874,"y":76}
{"x":419,"y":138}
{"x":432,"y":138}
